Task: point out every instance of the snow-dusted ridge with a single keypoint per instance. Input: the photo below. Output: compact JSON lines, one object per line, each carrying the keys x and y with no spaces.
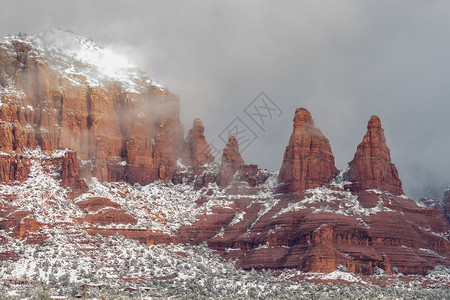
{"x":79,"y":60}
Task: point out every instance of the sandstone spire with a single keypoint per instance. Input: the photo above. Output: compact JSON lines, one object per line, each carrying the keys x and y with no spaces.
{"x":308,"y":161}
{"x":447,"y":203}
{"x":371,"y":167}
{"x":196,"y":150}
{"x":231,"y":162}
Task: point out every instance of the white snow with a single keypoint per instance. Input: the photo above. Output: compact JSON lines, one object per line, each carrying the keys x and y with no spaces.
{"x":238,"y":217}
{"x":339,"y":180}
{"x":320,"y":198}
{"x":339,"y":275}
{"x":433,"y":253}
{"x":80,"y":61}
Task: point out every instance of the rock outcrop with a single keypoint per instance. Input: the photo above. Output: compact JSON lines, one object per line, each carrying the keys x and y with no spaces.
{"x":94,"y":204}
{"x":196,"y":150}
{"x":371,"y":167}
{"x":308,"y":161}
{"x":128,"y":127}
{"x":318,"y":236}
{"x":70,"y":175}
{"x":447,"y":203}
{"x":231,"y":162}
{"x":14,"y":138}
{"x":25,"y":227}
{"x":252,"y":175}
{"x":14,"y":167}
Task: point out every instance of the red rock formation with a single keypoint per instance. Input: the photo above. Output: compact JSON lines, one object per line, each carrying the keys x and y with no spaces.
{"x":70,"y":175}
{"x":231,"y":162}
{"x":102,"y":211}
{"x":320,"y":240}
{"x":11,"y":217}
{"x":109,"y":216}
{"x":24,"y":137}
{"x":136,"y":136}
{"x":13,"y":139}
{"x":447,"y":203}
{"x":371,"y":167}
{"x":200,"y":176}
{"x":196,"y":150}
{"x":196,"y":155}
{"x":146,"y":237}
{"x":26,"y":226}
{"x":14,"y":167}
{"x":94,"y":204}
{"x":132,"y":134}
{"x":6,"y":138}
{"x":308,"y":161}
{"x":9,"y":255}
{"x":252,"y":174}
{"x":166,"y":152}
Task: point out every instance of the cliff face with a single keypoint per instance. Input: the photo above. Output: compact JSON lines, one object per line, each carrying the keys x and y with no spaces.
{"x":52,"y":98}
{"x":371,"y":167}
{"x":308,"y":161}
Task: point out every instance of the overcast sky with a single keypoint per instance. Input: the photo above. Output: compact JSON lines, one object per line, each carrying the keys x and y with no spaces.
{"x":342,"y":60}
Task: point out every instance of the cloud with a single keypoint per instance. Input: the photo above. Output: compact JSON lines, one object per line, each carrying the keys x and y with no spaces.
{"x":343,"y":60}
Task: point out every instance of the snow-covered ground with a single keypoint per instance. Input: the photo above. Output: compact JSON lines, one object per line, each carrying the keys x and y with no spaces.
{"x":117,"y":267}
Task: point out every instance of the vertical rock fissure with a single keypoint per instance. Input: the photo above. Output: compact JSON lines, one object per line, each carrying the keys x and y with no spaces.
{"x":89,"y":121}
{"x":121,"y":109}
{"x":60,"y":116}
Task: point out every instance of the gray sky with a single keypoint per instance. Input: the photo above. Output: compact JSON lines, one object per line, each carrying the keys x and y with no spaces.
{"x":342,"y":60}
